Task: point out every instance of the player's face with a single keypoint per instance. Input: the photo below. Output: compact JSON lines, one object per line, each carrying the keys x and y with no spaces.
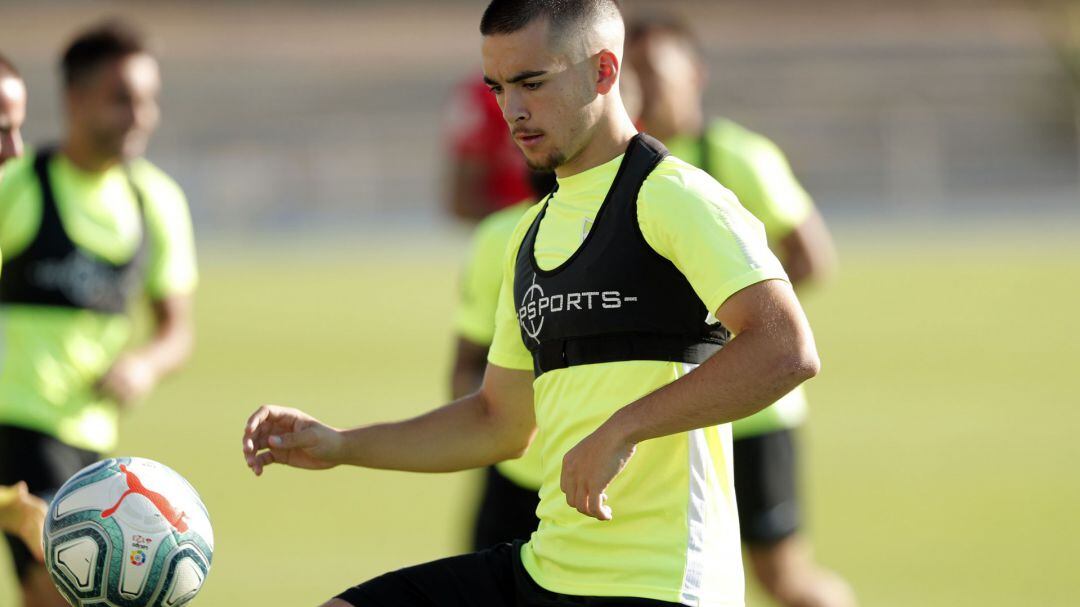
{"x":12,"y":114}
{"x":549,"y":101}
{"x":117,"y":107}
{"x":670,"y":79}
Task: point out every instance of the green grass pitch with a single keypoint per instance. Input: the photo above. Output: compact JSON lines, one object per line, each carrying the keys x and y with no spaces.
{"x":940,"y":457}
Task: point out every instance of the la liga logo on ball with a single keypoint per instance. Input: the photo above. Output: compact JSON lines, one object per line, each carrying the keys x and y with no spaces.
{"x":134,"y":506}
{"x":138,"y":557}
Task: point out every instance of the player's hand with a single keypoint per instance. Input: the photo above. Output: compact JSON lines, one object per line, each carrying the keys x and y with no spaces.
{"x":281,"y":435}
{"x":24,"y":516}
{"x":590,"y":467}
{"x":129,"y":380}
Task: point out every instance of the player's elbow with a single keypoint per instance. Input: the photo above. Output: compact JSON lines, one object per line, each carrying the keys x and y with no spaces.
{"x":800,"y":364}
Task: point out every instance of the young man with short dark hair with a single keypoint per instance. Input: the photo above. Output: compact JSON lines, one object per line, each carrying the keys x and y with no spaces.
{"x":606,"y":350}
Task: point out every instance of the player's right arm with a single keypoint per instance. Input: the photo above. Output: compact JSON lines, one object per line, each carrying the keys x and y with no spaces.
{"x":493,"y":424}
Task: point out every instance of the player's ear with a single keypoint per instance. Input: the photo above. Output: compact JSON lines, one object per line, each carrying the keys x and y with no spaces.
{"x":607,"y":73}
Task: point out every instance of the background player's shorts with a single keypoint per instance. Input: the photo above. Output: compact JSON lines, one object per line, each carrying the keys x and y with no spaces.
{"x":489,"y":578}
{"x":765,"y":487}
{"x":507,"y":511}
{"x":45,"y":464}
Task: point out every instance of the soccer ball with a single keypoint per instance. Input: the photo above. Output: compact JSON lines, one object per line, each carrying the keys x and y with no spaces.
{"x":128,"y":532}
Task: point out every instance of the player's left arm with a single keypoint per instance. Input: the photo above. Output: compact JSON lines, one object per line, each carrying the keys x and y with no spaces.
{"x":772,"y":353}
{"x":768,"y":188}
{"x":137,"y":372}
{"x":171,"y":279}
{"x":807,"y":252}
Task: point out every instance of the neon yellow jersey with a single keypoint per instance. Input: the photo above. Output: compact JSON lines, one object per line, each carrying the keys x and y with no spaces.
{"x":675,"y":532}
{"x":52,"y":357}
{"x":756,"y":170}
{"x":480,"y":282}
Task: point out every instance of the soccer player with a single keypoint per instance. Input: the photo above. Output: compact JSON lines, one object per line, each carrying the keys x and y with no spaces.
{"x":666,"y":55}
{"x":603,"y":347}
{"x":21,"y":514}
{"x":12,"y":112}
{"x":84,"y":227}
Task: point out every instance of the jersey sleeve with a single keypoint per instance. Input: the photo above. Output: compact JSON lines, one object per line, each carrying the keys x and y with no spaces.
{"x":20,"y":206}
{"x":757,"y":170}
{"x":172,"y":267}
{"x":507,"y":349}
{"x":698,"y":225}
{"x":481,"y":279}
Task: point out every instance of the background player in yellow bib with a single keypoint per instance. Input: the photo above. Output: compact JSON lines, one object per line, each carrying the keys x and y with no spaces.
{"x":21,"y":514}
{"x":667,"y":56}
{"x":85,"y":227}
{"x":602,"y":348}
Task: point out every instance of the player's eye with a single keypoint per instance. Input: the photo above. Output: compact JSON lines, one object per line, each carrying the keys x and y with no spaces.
{"x":497,"y":90}
{"x":532,"y":86}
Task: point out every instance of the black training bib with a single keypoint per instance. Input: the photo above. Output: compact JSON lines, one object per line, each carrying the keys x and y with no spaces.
{"x":615,"y":298}
{"x":54,"y":271}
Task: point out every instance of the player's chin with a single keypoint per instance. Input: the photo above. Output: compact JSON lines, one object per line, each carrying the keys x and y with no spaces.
{"x":542,"y":162}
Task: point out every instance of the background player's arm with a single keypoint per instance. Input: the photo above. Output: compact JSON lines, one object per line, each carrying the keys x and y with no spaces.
{"x":467,"y":198}
{"x":23,"y":514}
{"x":136,"y":373}
{"x":772,"y":353}
{"x":470,"y":361}
{"x":488,"y":426}
{"x":807,"y":252}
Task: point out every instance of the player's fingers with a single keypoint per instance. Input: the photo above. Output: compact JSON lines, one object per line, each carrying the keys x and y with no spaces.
{"x":295,"y":440}
{"x":581,"y":499}
{"x":252,"y":425}
{"x":592,"y":504}
{"x":266,"y":458}
{"x":600,"y":509}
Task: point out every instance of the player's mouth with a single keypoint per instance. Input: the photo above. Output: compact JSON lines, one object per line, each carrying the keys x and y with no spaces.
{"x":528,"y":139}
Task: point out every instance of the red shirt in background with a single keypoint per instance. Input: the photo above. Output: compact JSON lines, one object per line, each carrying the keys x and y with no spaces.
{"x":476,"y":131}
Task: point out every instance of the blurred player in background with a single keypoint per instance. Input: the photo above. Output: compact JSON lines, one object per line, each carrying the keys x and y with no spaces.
{"x":21,"y":515}
{"x":485,"y":172}
{"x":84,"y":228}
{"x":12,"y":112}
{"x":672,"y":74}
{"x":507,"y":506}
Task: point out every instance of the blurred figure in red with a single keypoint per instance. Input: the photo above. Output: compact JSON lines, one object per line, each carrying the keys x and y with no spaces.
{"x":485,"y":171}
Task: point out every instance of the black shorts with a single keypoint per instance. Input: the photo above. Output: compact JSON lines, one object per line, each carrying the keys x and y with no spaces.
{"x":507,"y":511}
{"x":45,"y":464}
{"x":765,"y":487}
{"x":490,"y":578}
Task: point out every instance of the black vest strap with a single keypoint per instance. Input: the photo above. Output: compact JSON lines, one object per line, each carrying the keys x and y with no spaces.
{"x":615,"y":298}
{"x":53,"y":271}
{"x":552,"y":355}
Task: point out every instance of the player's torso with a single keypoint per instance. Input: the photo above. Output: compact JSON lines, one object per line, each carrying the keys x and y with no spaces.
{"x":59,"y":332}
{"x":674,"y":508}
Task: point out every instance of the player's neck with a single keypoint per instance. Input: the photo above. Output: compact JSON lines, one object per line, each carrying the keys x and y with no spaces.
{"x":81,"y":153}
{"x":608,"y":142}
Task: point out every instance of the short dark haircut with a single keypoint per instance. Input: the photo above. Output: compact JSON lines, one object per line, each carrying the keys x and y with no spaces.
{"x":509,"y":16}
{"x":8,"y":68}
{"x":647,"y":24}
{"x":100,"y":44}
